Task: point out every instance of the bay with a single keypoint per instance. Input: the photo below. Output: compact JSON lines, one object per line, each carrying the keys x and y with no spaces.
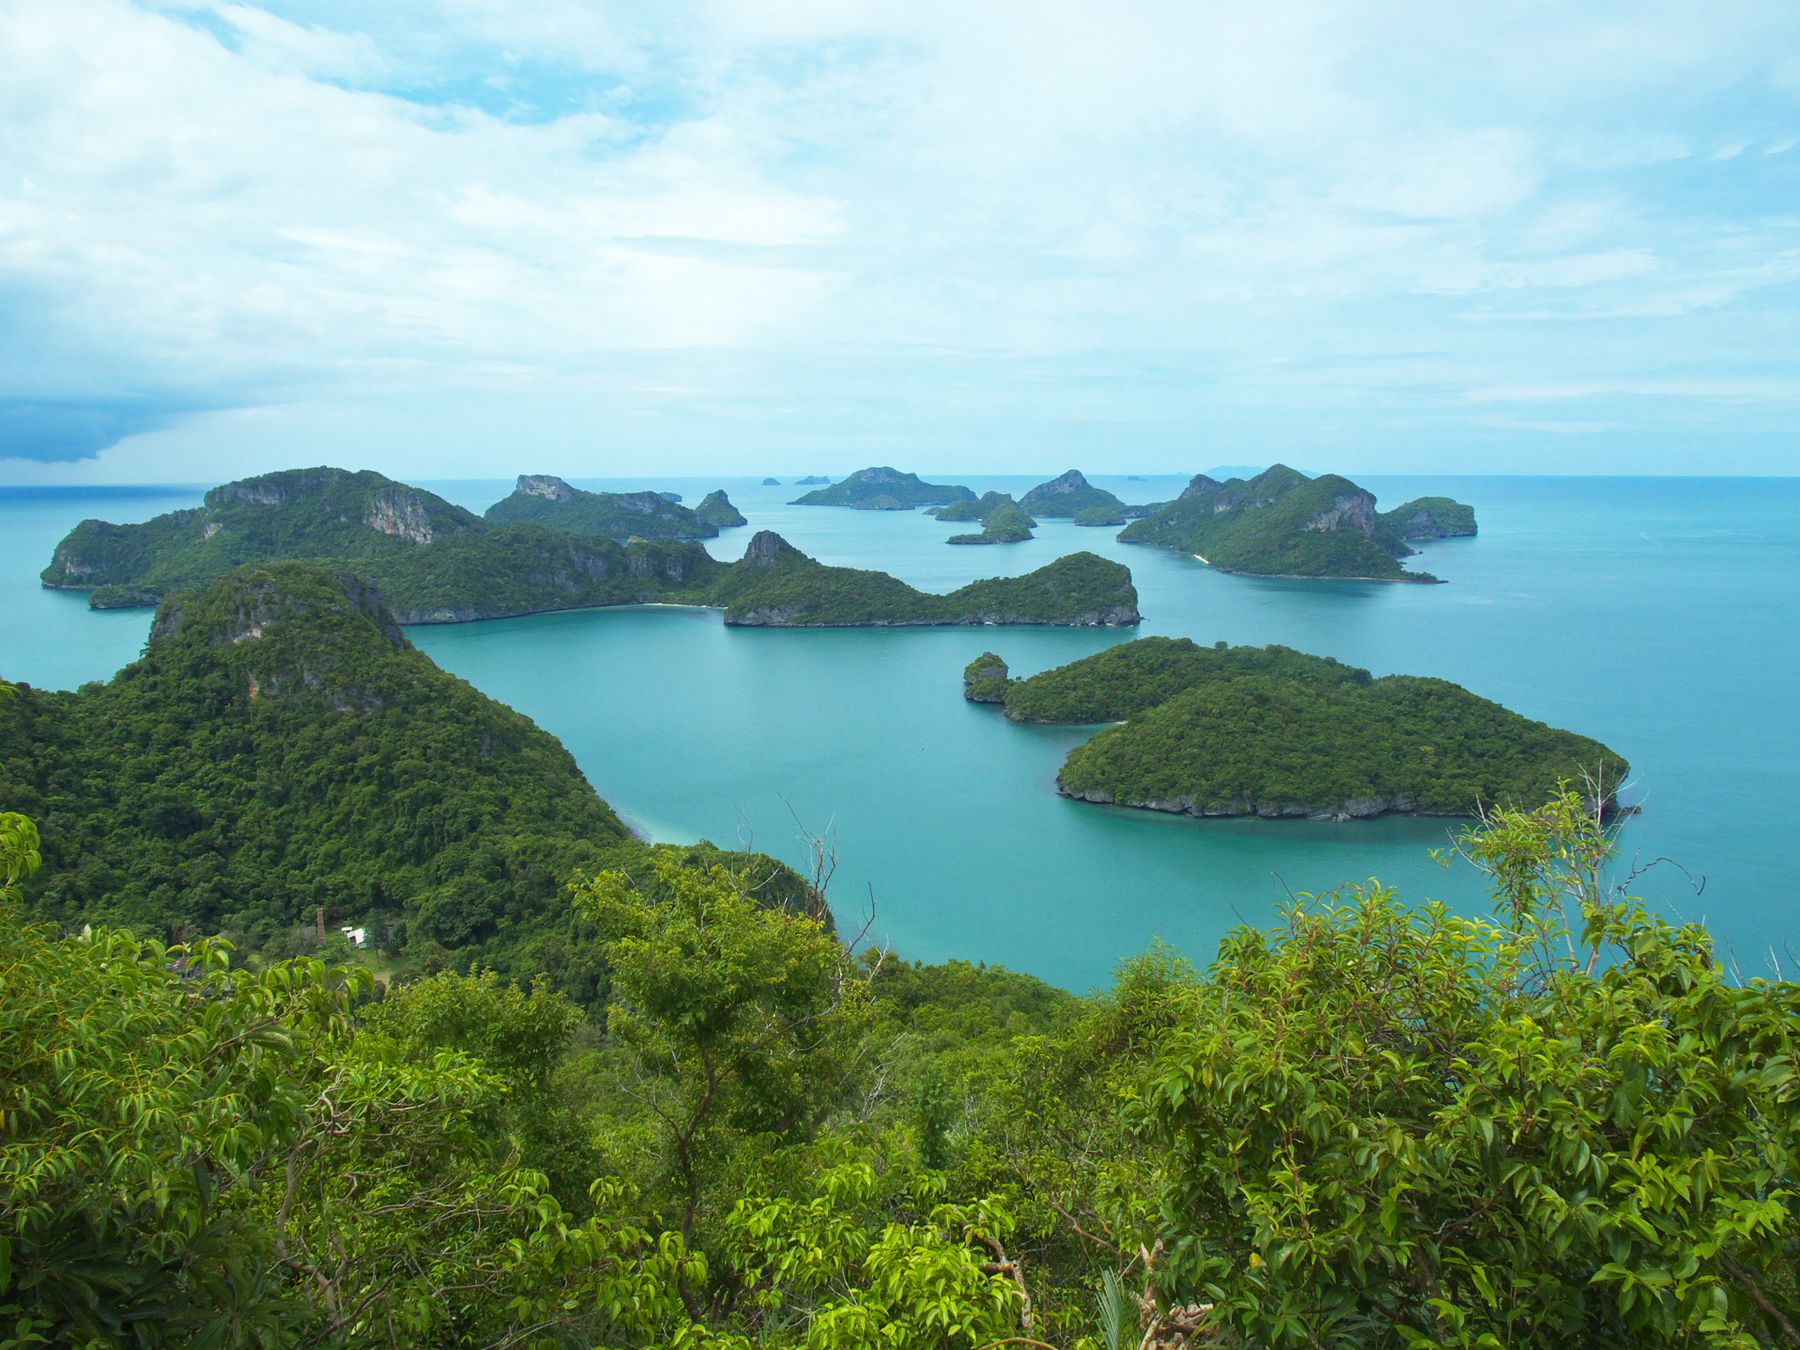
{"x":1658,"y":615}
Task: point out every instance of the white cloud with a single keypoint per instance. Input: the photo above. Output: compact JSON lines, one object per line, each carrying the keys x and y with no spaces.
{"x":816,"y":208}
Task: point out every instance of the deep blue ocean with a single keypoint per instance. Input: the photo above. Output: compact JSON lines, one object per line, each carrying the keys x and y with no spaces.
{"x":1661,"y":616}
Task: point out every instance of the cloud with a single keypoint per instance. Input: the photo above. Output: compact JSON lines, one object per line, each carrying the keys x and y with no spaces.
{"x":735,"y":222}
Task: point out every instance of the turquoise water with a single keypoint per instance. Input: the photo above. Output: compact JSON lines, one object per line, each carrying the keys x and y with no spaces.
{"x":1656,"y":614}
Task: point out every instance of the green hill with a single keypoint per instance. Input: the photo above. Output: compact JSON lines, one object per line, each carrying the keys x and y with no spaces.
{"x":1068,"y":496}
{"x":884,"y":489}
{"x":1240,"y":731}
{"x":281,"y":749}
{"x":1280,"y":523}
{"x":542,"y":499}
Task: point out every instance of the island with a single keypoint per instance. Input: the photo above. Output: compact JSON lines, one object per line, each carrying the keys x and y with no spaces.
{"x":543,"y":499}
{"x":1281,"y":523}
{"x":1274,"y":733}
{"x":1002,"y":520}
{"x":1431,"y":518}
{"x":716,"y":510}
{"x":777,"y":586}
{"x":884,"y":489}
{"x":281,"y":759}
{"x":437,"y":563}
{"x":1101,"y":515}
{"x":985,"y":679}
{"x":1068,"y":496}
{"x":771,"y":482}
{"x":811,"y":480}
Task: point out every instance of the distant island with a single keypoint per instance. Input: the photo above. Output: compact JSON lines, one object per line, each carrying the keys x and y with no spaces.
{"x":810,"y":480}
{"x":543,"y":499}
{"x":1002,"y":520}
{"x":771,"y":482}
{"x":1068,"y":496}
{"x":777,"y":586}
{"x":884,"y":489}
{"x":1431,"y":518}
{"x":1282,"y":523}
{"x":281,"y":759}
{"x":716,"y":509}
{"x":437,"y":563}
{"x":1272,"y":732}
{"x":1100,"y":515}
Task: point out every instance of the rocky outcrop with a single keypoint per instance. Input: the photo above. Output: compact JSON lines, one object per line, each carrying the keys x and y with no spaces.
{"x":547,"y":486}
{"x":1352,"y":510}
{"x":985,"y":679}
{"x":1353,"y":808}
{"x":767,"y":548}
{"x":399,"y":511}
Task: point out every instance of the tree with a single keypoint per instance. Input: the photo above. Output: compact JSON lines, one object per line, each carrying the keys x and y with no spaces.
{"x":738,"y":1020}
{"x":1395,"y":1127}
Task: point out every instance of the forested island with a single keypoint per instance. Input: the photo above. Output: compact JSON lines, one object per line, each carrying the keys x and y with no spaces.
{"x":1002,"y":519}
{"x":884,"y":489}
{"x":1272,"y":732}
{"x":1281,"y":523}
{"x":716,"y":509}
{"x":437,"y":563}
{"x":778,"y":586}
{"x":1068,"y":496}
{"x":543,"y":499}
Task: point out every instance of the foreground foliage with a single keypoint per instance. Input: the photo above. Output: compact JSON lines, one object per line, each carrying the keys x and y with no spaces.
{"x":1562,"y":1124}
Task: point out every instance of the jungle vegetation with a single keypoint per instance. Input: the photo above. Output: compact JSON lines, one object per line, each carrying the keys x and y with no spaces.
{"x":1563,"y":1123}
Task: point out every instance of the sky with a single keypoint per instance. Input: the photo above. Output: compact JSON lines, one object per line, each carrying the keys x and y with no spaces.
{"x":468,"y":238}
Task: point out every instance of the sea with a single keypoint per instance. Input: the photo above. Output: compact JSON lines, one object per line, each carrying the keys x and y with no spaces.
{"x":1659,"y":615}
